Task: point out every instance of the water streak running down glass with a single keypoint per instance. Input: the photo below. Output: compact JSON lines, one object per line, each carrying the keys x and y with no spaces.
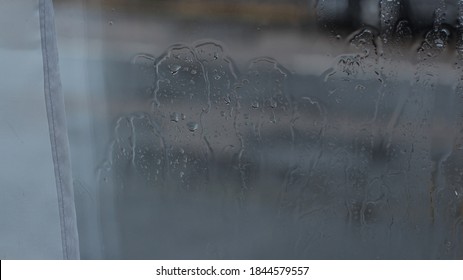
{"x":265,"y":129}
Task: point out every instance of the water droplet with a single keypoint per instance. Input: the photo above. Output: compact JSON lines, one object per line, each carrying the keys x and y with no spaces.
{"x":255,"y":104}
{"x":439,"y":43}
{"x":174,"y":68}
{"x":182,"y":174}
{"x":174,"y":117}
{"x":192,"y":126}
{"x":111,"y":22}
{"x":360,"y":87}
{"x":193,"y":72}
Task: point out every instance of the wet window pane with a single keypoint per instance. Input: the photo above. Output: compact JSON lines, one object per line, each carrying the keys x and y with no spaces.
{"x":265,"y":129}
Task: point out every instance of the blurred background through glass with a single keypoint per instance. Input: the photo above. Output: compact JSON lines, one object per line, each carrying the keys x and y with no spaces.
{"x":265,"y":129}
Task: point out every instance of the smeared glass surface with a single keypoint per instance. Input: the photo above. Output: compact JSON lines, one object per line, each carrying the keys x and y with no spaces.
{"x":278,"y":140}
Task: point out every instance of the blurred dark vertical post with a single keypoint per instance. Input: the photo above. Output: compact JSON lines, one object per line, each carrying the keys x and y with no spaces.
{"x":390,"y":11}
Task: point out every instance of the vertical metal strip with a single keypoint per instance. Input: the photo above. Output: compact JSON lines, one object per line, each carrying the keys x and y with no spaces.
{"x":58,"y":132}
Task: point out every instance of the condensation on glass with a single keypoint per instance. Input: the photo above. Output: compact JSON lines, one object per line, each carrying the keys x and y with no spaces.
{"x":267,"y":129}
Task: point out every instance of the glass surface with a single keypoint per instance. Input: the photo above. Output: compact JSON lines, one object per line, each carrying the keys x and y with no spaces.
{"x":265,"y":129}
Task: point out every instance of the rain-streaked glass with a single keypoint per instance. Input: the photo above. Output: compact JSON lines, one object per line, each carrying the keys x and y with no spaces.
{"x":265,"y":129}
